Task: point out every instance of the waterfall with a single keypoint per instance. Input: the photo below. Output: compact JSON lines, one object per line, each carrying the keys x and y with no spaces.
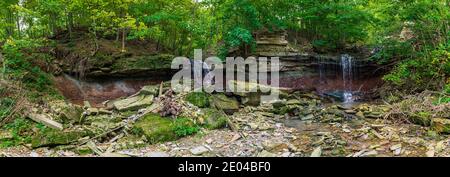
{"x":77,"y":83}
{"x":347,"y":77}
{"x":321,"y":69}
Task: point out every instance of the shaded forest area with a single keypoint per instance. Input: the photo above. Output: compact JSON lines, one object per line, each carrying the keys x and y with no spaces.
{"x":411,"y":36}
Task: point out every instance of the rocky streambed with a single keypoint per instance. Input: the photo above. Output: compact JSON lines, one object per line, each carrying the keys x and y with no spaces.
{"x":157,"y":122}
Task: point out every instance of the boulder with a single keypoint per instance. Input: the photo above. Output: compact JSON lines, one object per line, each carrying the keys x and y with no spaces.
{"x":155,"y":128}
{"x":336,"y":95}
{"x":278,"y":104}
{"x":214,"y":119}
{"x":134,"y":103}
{"x":65,"y":112}
{"x":92,"y":111}
{"x":228,"y":104}
{"x":199,"y":99}
{"x":251,"y":92}
{"x":71,"y":114}
{"x":199,"y":150}
{"x":252,"y":99}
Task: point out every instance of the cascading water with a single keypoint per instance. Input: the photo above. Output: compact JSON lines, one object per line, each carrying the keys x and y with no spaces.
{"x":77,"y":84}
{"x":321,"y":69}
{"x":342,"y":78}
{"x":347,"y":77}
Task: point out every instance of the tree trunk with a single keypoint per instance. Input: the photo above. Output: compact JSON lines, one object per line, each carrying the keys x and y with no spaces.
{"x":70,"y":24}
{"x":3,"y":60}
{"x":123,"y":39}
{"x":18,"y":26}
{"x":53,"y":23}
{"x":118,"y":34}
{"x":9,"y":21}
{"x":157,"y":45}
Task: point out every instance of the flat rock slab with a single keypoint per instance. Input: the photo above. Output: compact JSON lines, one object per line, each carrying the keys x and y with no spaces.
{"x":41,"y":118}
{"x":133,"y":103}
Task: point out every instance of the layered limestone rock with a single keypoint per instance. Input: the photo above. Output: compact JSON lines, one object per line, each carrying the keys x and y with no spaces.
{"x":123,"y":65}
{"x":273,"y":44}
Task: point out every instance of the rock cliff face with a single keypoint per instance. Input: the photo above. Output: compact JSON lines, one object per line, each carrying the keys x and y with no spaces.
{"x":84,"y":57}
{"x":313,"y":71}
{"x":274,"y":44}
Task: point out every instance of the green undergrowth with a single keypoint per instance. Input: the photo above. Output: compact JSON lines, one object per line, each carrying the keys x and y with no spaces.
{"x":26,"y":65}
{"x":20,"y":130}
{"x":421,"y":108}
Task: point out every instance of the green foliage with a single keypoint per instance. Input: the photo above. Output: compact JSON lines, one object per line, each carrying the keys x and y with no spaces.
{"x":415,"y":35}
{"x":423,"y":72}
{"x":235,"y":39}
{"x":447,"y":88}
{"x":21,"y":63}
{"x":184,"y":127}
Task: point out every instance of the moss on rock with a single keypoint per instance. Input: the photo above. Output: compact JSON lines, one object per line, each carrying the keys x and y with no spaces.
{"x":53,"y":137}
{"x":199,"y":99}
{"x":155,"y":128}
{"x":214,"y":119}
{"x":160,"y":129}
